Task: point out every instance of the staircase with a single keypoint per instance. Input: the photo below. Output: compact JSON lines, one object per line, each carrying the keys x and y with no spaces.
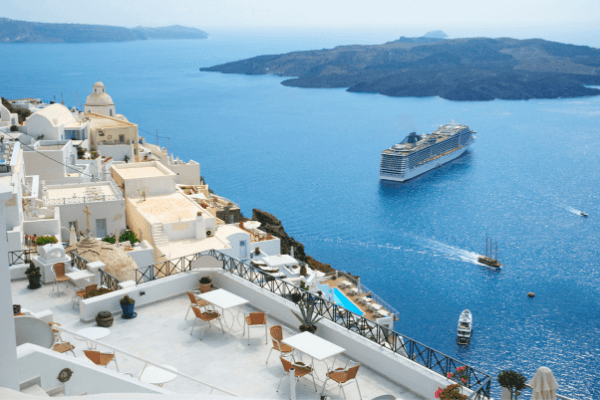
{"x":158,"y":235}
{"x":32,"y":387}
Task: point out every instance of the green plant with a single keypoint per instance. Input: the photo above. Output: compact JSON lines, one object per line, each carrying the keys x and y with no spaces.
{"x":257,"y":250}
{"x":43,"y":240}
{"x":451,"y":392}
{"x":205,"y":280}
{"x":512,"y":380}
{"x":127,"y":300}
{"x":109,"y":239}
{"x":295,"y":297}
{"x":81,"y":152}
{"x":33,"y":271}
{"x":14,"y":128}
{"x":308,"y":316}
{"x":97,"y":292}
{"x":128,"y":236}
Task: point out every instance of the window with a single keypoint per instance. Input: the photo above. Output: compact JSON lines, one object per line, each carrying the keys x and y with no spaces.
{"x":73,"y":223}
{"x":110,"y":112}
{"x":122,"y":138}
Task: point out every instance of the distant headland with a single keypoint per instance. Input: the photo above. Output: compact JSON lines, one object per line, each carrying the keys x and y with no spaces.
{"x":454,"y":69}
{"x":13,"y":31}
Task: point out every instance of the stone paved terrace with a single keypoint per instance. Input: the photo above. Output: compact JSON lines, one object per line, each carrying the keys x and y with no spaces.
{"x":160,"y":334}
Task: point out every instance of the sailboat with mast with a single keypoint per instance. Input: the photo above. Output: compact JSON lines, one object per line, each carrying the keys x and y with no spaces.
{"x":491,"y":254}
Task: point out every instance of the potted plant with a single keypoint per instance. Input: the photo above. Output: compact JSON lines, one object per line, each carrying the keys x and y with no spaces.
{"x":451,"y":392}
{"x":127,"y":305}
{"x":205,"y":284}
{"x":34,"y":276}
{"x":512,"y":380}
{"x":308,"y":316}
{"x":257,"y":250}
{"x":16,"y":309}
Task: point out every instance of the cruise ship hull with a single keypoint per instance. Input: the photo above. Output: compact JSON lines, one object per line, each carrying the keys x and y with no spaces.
{"x":428,"y":166}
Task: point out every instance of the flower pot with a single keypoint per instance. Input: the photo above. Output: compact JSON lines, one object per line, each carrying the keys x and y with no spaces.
{"x":128,"y":312}
{"x":205,"y":287}
{"x":104,"y":319}
{"x":305,"y":328}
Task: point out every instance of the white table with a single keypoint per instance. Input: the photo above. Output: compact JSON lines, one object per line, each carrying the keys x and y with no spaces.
{"x":94,"y":333}
{"x":315,"y":347}
{"x":80,"y":276}
{"x":225,"y":301}
{"x":157,"y":376}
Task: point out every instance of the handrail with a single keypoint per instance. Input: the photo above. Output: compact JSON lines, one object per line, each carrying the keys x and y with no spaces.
{"x":108,"y":280}
{"x":147,"y":362}
{"x":483,"y":392}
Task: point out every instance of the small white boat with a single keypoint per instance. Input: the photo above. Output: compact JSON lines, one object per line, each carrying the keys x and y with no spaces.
{"x":583,"y":214}
{"x":465,"y":327}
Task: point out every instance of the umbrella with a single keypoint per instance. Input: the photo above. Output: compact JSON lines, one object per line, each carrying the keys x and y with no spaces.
{"x":544,"y":385}
{"x":72,"y":236}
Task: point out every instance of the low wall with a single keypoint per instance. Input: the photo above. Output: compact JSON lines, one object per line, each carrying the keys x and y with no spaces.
{"x":157,"y":290}
{"x":398,"y":369}
{"x":36,"y":361}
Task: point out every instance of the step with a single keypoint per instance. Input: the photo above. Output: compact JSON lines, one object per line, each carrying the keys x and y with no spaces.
{"x":53,"y":391}
{"x":61,"y":394}
{"x":35,"y":390}
{"x":36,"y":380}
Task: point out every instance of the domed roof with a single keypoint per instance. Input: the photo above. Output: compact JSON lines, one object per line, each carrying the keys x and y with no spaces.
{"x":118,"y":263}
{"x":99,"y":96}
{"x":99,"y":84}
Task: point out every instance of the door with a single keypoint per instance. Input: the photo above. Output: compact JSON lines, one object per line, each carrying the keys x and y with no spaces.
{"x":243,"y":253}
{"x":101,"y":228}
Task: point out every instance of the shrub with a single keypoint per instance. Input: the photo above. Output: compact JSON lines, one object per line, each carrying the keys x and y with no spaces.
{"x":81,"y":152}
{"x":512,"y":380}
{"x":43,"y":240}
{"x":14,"y":128}
{"x":257,"y":251}
{"x":126,"y":236}
{"x":97,"y":292}
{"x":109,"y":239}
{"x":205,"y":280}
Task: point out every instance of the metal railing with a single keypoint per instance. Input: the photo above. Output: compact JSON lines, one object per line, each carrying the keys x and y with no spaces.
{"x":483,"y":391}
{"x":385,"y":337}
{"x":109,"y":281}
{"x":145,"y":361}
{"x":378,"y":299}
{"x":78,"y":262}
{"x":81,"y":200}
{"x":19,"y":257}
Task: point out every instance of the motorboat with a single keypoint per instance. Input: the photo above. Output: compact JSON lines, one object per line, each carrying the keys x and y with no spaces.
{"x":465,"y":327}
{"x":583,"y":214}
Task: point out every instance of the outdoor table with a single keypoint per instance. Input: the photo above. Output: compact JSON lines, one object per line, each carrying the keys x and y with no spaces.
{"x":315,"y":347}
{"x":94,"y":333}
{"x":225,"y":301}
{"x":157,"y":376}
{"x":80,"y":276}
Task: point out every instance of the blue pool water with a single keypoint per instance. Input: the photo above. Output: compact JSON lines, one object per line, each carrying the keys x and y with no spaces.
{"x":340,"y":299}
{"x":311,"y":158}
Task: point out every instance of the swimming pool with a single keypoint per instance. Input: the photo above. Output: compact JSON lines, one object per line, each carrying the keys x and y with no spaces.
{"x":340,"y":299}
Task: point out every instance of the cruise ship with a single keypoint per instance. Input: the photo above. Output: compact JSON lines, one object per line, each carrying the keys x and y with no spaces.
{"x":417,"y":154}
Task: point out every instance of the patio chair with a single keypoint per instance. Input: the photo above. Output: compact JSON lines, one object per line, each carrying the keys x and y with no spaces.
{"x":255,"y":319}
{"x":57,"y":337}
{"x":59,"y":275}
{"x":194,"y":301}
{"x":343,"y":376}
{"x":63,"y":347}
{"x":80,"y":294}
{"x":206,"y":317}
{"x":276,"y":333}
{"x":300,"y":370}
{"x":102,"y":359}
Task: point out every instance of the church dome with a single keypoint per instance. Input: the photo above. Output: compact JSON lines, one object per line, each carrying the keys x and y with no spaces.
{"x":99,"y":97}
{"x":118,"y":263}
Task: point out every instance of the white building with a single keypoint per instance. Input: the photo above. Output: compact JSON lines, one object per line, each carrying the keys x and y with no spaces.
{"x":30,"y":104}
{"x":100,"y":102}
{"x":57,"y":122}
{"x":188,"y":173}
{"x":38,"y":158}
{"x":7,"y":118}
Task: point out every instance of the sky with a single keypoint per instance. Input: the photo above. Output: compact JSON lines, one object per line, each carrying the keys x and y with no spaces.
{"x":317,"y":14}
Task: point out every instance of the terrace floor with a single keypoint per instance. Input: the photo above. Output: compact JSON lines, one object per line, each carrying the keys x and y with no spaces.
{"x":160,"y":334}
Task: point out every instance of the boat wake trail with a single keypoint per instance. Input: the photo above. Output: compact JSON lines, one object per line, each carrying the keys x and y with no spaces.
{"x":386,"y":246}
{"x":570,"y":209}
{"x":451,"y":252}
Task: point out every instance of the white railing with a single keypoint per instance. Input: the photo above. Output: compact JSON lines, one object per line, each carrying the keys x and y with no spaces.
{"x":145,"y":361}
{"x":86,"y":199}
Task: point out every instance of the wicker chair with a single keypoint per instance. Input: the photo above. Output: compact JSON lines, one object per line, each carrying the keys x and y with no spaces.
{"x":102,"y":359}
{"x":59,"y":275}
{"x":195,"y":302}
{"x":300,"y":370}
{"x":343,"y":376}
{"x":80,"y":294}
{"x":57,"y":337}
{"x":255,"y":319}
{"x":276,"y":333}
{"x":63,"y":347}
{"x":206,"y":317}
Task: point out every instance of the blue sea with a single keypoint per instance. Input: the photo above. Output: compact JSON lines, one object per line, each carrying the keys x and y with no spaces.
{"x":311,"y":157}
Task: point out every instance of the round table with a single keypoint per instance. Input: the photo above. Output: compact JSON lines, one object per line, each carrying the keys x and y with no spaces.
{"x":94,"y":333}
{"x":157,"y":376}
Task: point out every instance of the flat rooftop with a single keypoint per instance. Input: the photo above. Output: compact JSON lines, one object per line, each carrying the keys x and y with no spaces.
{"x":168,"y":208}
{"x":51,"y":147}
{"x":140,"y":172}
{"x":162,"y":335}
{"x":185,"y":247}
{"x":98,"y":121}
{"x":84,"y":190}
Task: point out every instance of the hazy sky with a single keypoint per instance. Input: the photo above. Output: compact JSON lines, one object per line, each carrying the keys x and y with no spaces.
{"x":207,"y":14}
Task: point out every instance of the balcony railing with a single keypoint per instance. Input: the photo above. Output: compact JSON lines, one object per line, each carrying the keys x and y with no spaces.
{"x":387,"y":338}
{"x":109,"y":281}
{"x":19,"y":257}
{"x":81,"y":200}
{"x":78,"y":262}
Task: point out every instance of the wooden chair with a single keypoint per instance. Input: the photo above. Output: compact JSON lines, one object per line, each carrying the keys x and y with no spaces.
{"x":206,"y":317}
{"x":63,"y":347}
{"x":59,"y":275}
{"x":195,"y":302}
{"x":102,"y":359}
{"x":300,"y":370}
{"x":80,"y":294}
{"x":276,"y":333}
{"x":255,"y":319}
{"x":343,"y":376}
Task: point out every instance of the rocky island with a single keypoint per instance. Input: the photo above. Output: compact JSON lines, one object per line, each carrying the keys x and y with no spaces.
{"x":12,"y":31}
{"x":454,"y":69}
